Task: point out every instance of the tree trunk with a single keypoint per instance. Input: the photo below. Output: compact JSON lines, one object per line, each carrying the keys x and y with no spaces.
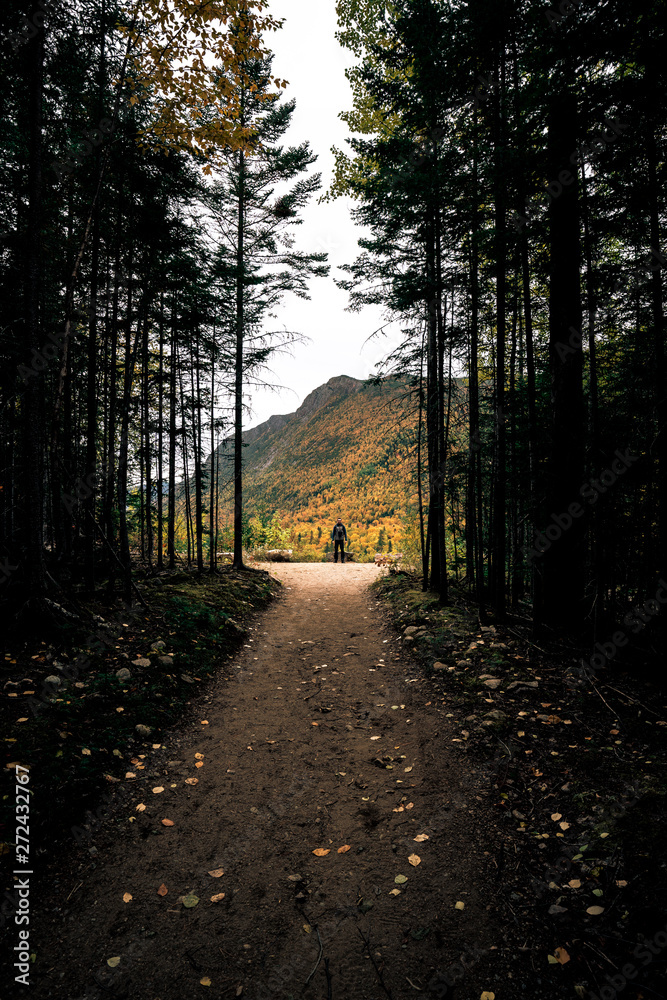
{"x":561,"y":601}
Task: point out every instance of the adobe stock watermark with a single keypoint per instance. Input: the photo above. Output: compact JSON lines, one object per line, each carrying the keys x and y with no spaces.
{"x":645,"y":952}
{"x":565,"y":9}
{"x":29,"y":26}
{"x":636,"y":620}
{"x":555,"y":187}
{"x":591,"y":492}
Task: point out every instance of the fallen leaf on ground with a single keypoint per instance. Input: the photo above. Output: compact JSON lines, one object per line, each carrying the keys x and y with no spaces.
{"x":308,"y":929}
{"x":162,"y":891}
{"x":190,"y":900}
{"x":344,"y":849}
{"x":574,"y":883}
{"x":556,"y":816}
{"x":113,"y":962}
{"x":321,"y":851}
{"x":140,"y":808}
{"x":158,"y":789}
{"x":199,"y":756}
{"x":204,"y":722}
{"x":218,"y":896}
{"x":394,"y":892}
{"x":86,"y":752}
{"x":216,"y":873}
{"x":191,"y":781}
{"x":127,"y":896}
{"x":459,"y":905}
{"x":562,"y":955}
{"x":414,"y":860}
{"x":487,"y":996}
{"x":410,"y":805}
{"x":595,"y":910}
{"x":420,"y":838}
{"x":200,"y":763}
{"x":204,"y":981}
{"x":167,"y":822}
{"x":130,"y":774}
{"x":400,"y":879}
{"x":375,"y":737}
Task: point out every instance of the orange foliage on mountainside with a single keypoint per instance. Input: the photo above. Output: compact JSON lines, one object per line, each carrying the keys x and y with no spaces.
{"x":348,"y":451}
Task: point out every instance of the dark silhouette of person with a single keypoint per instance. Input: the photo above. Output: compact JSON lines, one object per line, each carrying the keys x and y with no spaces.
{"x":339,"y":537}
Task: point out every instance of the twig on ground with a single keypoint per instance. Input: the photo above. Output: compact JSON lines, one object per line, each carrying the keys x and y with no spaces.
{"x":366,"y":941}
{"x":319,"y":957}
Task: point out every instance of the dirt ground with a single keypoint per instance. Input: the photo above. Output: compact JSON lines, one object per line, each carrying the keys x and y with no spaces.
{"x":317,"y":736}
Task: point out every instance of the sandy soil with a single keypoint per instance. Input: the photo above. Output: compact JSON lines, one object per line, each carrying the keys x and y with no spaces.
{"x":319,"y":735}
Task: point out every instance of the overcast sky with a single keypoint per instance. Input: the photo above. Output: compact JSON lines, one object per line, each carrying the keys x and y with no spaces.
{"x":309,"y":57}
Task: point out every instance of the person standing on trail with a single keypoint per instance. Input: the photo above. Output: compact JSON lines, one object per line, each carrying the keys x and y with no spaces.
{"x":339,"y":537}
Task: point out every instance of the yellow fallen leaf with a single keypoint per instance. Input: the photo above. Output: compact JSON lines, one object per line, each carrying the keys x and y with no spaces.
{"x":156,"y":746}
{"x":562,"y":955}
{"x":420,"y":838}
{"x":113,"y":962}
{"x":140,"y":808}
{"x":308,"y":929}
{"x":127,"y":896}
{"x":200,"y":763}
{"x":120,"y":709}
{"x":85,"y":752}
{"x":399,"y":809}
{"x":216,"y":873}
{"x":521,"y":732}
{"x":23,"y":720}
{"x":414,"y":860}
{"x":595,"y":910}
{"x":191,"y":781}
{"x":199,"y":756}
{"x":218,"y":896}
{"x":621,"y":883}
{"x":204,"y":722}
{"x":574,"y":883}
{"x":205,"y":981}
{"x":314,"y":723}
{"x":130,"y":774}
{"x":564,"y":825}
{"x":556,"y":816}
{"x":394,"y":892}
{"x":321,"y":851}
{"x":158,"y":789}
{"x":167,"y":822}
{"x":459,"y":905}
{"x":410,"y":805}
{"x":487,"y":996}
{"x":344,"y":849}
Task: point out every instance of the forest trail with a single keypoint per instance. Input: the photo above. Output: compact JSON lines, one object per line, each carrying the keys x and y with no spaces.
{"x":293,"y":758}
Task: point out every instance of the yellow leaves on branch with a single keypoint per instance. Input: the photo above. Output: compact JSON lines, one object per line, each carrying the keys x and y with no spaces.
{"x":187,"y":59}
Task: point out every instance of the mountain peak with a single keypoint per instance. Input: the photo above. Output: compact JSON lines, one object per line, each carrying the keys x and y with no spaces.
{"x":338,"y":385}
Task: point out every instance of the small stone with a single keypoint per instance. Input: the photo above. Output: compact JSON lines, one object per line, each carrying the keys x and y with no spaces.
{"x":159,"y":644}
{"x":440,"y":666}
{"x":143,"y":730}
{"x":53,"y":681}
{"x":464,"y":663}
{"x":493,"y":683}
{"x":123,"y":674}
{"x":187,"y":678}
{"x":496,"y":715}
{"x":141,"y":662}
{"x":166,"y":661}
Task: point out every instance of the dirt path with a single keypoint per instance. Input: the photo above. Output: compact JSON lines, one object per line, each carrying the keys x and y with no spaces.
{"x":321,"y":739}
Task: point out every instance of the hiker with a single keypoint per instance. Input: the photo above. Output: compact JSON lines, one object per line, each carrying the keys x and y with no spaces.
{"x":339,"y":537}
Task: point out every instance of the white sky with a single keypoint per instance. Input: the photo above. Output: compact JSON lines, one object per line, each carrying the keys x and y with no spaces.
{"x":309,"y":57}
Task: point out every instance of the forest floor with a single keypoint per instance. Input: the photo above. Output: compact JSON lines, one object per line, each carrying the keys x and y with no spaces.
{"x":336,"y":817}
